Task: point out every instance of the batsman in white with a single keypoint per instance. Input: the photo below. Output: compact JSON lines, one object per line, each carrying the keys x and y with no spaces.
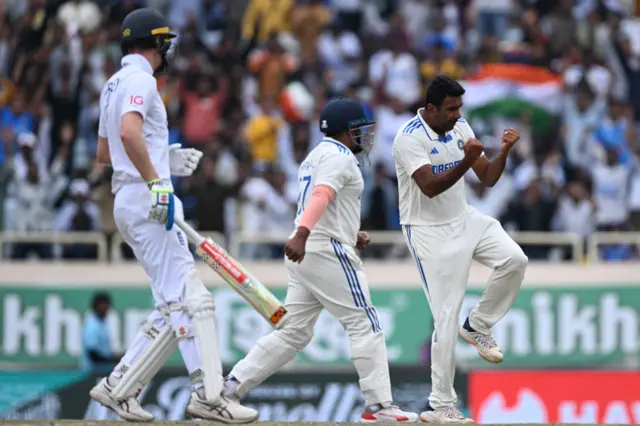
{"x":133,"y":139}
{"x":325,"y":270}
{"x":432,"y":152}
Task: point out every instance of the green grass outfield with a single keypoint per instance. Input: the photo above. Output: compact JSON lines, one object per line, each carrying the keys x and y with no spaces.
{"x":190,"y":423}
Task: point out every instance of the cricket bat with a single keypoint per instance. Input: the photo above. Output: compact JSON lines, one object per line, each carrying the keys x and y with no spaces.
{"x":241,"y":280}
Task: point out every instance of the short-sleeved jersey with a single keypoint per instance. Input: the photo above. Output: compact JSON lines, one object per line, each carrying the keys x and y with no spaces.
{"x":134,"y":89}
{"x":416,"y":145}
{"x":333,"y":164}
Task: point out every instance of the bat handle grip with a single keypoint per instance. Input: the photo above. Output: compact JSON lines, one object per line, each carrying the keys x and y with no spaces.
{"x":193,"y":235}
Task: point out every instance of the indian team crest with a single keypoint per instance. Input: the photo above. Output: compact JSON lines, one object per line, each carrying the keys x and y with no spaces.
{"x":460,"y":144}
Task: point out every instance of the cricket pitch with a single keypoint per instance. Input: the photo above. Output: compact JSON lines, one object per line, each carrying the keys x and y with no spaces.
{"x":190,"y":423}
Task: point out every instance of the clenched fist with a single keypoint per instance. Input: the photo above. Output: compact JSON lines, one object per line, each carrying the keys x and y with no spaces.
{"x":473,"y":149}
{"x":509,"y":138}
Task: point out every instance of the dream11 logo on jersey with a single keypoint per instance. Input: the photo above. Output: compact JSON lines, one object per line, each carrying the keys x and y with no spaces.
{"x":601,"y":397}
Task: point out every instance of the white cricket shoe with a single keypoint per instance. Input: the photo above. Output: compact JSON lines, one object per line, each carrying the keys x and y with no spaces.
{"x":445,"y":415}
{"x":224,"y":410}
{"x":129,"y":409}
{"x":377,"y":413}
{"x":484,"y":343}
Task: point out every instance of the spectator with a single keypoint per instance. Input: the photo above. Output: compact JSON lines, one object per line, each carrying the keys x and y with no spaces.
{"x":308,"y":19}
{"x":416,"y":17}
{"x":32,"y":211}
{"x":267,"y":208}
{"x":379,"y":207}
{"x":492,"y":201}
{"x":202,"y":109}
{"x":389,"y":118}
{"x":230,"y":69}
{"x":217,"y":180}
{"x":14,"y":119}
{"x":262,"y":133}
{"x":80,"y":15}
{"x":340,"y":52}
{"x":596,"y":76}
{"x":576,"y":211}
{"x":79,"y":214}
{"x":29,"y":153}
{"x":440,"y":36}
{"x":617,"y":131}
{"x":493,"y":16}
{"x":272,"y":67}
{"x":97,"y":354}
{"x":560,"y":27}
{"x":268,"y":16}
{"x":582,"y":113}
{"x":532,"y":212}
{"x":396,"y":71}
{"x":611,"y":188}
{"x":440,"y":62}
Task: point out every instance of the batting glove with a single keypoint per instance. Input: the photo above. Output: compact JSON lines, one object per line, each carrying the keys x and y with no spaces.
{"x":162,"y":202}
{"x":183,"y":161}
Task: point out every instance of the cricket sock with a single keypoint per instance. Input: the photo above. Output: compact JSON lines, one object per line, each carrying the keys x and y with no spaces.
{"x":468,"y":327}
{"x":231,"y":384}
{"x":200,"y":392}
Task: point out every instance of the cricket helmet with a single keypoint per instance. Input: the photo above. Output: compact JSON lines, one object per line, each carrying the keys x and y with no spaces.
{"x":344,"y":114}
{"x":146,"y":28}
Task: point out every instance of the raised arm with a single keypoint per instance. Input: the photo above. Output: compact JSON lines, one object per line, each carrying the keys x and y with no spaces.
{"x":412,"y":155}
{"x":489,"y":172}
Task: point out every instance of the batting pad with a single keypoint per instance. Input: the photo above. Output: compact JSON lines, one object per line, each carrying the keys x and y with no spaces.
{"x":201,"y":308}
{"x":149,"y":363}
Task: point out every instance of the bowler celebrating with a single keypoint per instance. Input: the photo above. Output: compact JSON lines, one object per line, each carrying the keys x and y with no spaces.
{"x":432,"y":152}
{"x":325,"y":270}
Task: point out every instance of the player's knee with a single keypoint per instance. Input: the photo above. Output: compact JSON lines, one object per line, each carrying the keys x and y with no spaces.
{"x":518,"y":261}
{"x":153,"y":325}
{"x":198,"y":298}
{"x":296,"y":337}
{"x":364,"y":323}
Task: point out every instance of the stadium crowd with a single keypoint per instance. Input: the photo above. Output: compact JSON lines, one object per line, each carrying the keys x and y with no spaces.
{"x":236,"y":59}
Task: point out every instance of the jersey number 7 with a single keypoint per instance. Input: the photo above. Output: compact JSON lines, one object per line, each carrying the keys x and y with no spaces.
{"x":303,"y":193}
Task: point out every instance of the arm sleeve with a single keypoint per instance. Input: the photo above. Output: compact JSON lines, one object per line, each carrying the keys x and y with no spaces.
{"x":334,"y":171}
{"x":102,"y":127}
{"x":138,"y":94}
{"x":410,"y":153}
{"x":320,"y":199}
{"x":467,"y":131}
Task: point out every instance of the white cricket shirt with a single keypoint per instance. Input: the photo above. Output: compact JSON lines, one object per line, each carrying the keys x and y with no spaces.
{"x":416,"y":145}
{"x":134,"y":89}
{"x":333,"y":164}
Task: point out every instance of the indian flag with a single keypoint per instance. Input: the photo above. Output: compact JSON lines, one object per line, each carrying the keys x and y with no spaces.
{"x":514,"y":90}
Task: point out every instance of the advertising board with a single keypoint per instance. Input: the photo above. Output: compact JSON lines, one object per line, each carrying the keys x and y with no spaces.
{"x":570,"y":396}
{"x":547,"y":327}
{"x":287,"y":396}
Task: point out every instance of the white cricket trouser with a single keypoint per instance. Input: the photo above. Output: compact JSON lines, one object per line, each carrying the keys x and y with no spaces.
{"x":331,"y":277}
{"x":443,"y":254}
{"x":166,"y":259}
